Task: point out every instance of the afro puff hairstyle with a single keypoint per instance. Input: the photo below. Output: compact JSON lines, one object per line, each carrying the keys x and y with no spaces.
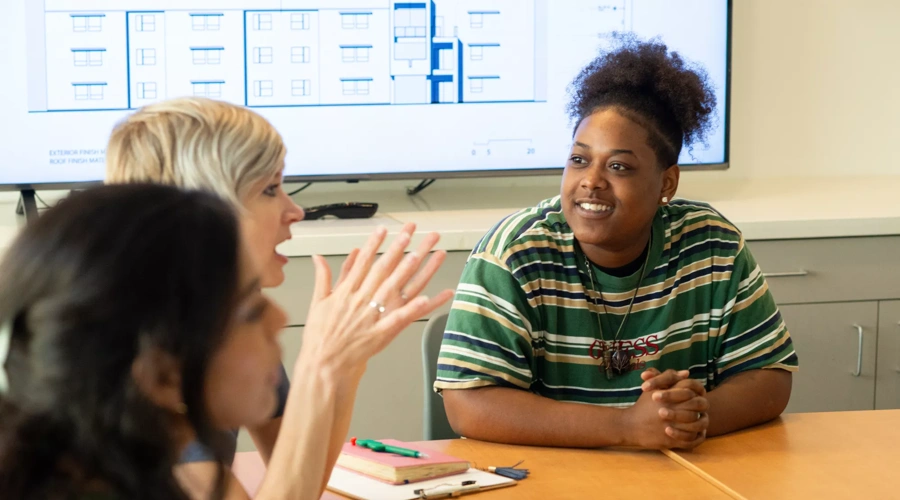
{"x":668,"y":96}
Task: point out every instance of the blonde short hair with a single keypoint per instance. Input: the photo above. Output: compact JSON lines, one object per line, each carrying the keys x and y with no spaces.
{"x":195,"y":143}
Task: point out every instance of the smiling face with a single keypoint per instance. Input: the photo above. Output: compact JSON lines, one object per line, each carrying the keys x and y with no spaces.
{"x":612,"y":186}
{"x":269,"y":213}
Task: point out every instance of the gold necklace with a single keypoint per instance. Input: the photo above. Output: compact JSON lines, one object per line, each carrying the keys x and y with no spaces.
{"x":616,"y":360}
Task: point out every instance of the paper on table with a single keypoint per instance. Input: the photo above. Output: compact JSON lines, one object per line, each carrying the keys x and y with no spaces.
{"x":362,"y":487}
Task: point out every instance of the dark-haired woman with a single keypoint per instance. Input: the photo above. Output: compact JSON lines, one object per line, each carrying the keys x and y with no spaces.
{"x":611,"y":314}
{"x":132,"y":324}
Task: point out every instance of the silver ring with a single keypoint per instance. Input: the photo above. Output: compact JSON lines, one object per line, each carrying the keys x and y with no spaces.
{"x":377,"y":306}
{"x":699,"y":415}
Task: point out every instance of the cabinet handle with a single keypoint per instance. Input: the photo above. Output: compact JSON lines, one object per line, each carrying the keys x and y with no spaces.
{"x":859,"y":355}
{"x":787,"y":274}
{"x":897,"y":367}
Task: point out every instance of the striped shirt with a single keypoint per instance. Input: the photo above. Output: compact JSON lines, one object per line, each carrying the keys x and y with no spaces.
{"x":525,"y":314}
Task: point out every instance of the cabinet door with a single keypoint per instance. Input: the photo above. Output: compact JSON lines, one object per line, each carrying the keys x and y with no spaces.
{"x":390,"y":399}
{"x":887,"y":384}
{"x":826,"y":339}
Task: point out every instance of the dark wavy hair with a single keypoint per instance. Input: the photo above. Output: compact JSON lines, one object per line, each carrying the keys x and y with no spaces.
{"x":109,"y":273}
{"x":668,"y":96}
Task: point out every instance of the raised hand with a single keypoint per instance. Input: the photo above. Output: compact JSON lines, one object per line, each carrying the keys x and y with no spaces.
{"x":373,"y":299}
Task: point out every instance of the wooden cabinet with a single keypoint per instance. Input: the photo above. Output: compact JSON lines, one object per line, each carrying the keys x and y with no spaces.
{"x":826,"y":288}
{"x":389,"y":401}
{"x":827,"y":340}
{"x":887,"y":385}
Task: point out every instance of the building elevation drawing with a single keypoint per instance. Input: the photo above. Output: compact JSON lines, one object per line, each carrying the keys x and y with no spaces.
{"x":88,"y":55}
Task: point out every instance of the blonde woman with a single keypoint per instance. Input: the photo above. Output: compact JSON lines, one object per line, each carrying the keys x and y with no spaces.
{"x":229,"y":150}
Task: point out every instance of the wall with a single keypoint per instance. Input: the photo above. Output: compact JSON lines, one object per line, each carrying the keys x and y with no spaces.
{"x":814,"y":88}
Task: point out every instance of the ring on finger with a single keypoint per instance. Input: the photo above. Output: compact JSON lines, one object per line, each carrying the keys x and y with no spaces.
{"x":699,"y":415}
{"x":377,"y":306}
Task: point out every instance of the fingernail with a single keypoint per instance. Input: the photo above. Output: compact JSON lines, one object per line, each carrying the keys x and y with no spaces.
{"x":645,"y":386}
{"x":657,"y":396}
{"x":663,"y":412}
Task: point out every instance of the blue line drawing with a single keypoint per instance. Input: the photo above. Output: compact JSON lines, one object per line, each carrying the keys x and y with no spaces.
{"x":355,"y":53}
{"x":206,"y":55}
{"x":146,"y":22}
{"x":262,"y":22}
{"x":146,"y":90}
{"x":355,"y":86}
{"x":326,"y":53}
{"x":87,"y":23}
{"x":263,"y":88}
{"x":355,"y":20}
{"x":300,"y":55}
{"x":206,"y":21}
{"x":88,"y":57}
{"x":300,"y":21}
{"x":145,"y":57}
{"x":262,"y":55}
{"x":92,"y":91}
{"x":300,"y":88}
{"x":476,"y":17}
{"x":211,"y":89}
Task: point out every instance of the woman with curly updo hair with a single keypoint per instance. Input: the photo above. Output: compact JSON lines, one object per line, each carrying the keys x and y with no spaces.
{"x":614,"y":314}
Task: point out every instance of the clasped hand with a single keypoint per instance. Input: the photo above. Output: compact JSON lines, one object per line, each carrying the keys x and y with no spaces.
{"x":671,"y":411}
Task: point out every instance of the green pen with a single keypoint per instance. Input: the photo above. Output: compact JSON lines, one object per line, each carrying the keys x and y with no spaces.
{"x":386,"y":448}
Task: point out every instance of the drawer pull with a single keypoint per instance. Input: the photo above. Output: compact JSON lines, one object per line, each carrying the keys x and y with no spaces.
{"x":787,"y":274}
{"x":897,"y":367}
{"x":859,"y":355}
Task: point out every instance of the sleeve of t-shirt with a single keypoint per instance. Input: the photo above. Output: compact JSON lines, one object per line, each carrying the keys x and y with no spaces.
{"x":487,"y":341}
{"x":752,"y":334}
{"x":196,"y":452}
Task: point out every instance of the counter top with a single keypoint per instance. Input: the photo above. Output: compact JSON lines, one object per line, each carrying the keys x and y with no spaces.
{"x":771,"y":209}
{"x":764,"y":209}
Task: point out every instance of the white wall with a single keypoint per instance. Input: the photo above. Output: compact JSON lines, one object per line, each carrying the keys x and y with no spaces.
{"x":815,"y":88}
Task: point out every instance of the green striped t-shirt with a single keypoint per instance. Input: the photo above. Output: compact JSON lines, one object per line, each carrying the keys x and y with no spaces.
{"x":525,"y":315}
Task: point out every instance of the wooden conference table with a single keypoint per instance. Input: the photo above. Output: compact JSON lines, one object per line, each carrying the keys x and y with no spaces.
{"x":806,"y":455}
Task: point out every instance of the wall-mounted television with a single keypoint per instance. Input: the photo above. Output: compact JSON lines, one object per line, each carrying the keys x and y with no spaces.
{"x":359,"y":89}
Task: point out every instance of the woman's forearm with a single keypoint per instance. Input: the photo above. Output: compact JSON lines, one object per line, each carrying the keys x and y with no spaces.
{"x":300,"y":462}
{"x":343,"y":414}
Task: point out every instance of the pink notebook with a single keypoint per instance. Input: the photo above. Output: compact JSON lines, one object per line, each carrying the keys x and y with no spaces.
{"x":396,"y":469}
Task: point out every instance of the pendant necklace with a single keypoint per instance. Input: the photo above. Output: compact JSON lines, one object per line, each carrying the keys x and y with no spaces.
{"x":616,"y":360}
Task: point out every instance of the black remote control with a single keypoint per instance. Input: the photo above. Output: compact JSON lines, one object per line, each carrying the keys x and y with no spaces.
{"x":350,"y":210}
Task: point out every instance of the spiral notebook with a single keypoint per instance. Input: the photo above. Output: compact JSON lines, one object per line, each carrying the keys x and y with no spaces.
{"x":360,"y":487}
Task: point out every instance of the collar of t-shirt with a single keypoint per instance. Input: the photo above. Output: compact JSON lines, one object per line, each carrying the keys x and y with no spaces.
{"x":628,"y":269}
